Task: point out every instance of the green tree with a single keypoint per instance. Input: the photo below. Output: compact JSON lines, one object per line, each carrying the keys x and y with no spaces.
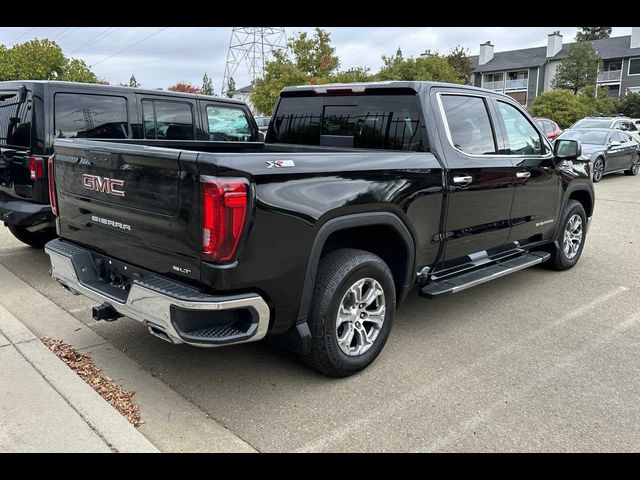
{"x":42,"y":60}
{"x":231,"y":86}
{"x":459,"y":59}
{"x":432,"y":67}
{"x":133,"y":82}
{"x":562,"y":106}
{"x":207,"y":86}
{"x":601,"y":103}
{"x":308,"y":60}
{"x":578,"y":69}
{"x":630,"y":105}
{"x":592,"y":33}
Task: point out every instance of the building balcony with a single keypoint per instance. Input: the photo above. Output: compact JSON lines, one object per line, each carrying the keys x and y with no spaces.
{"x":610,"y":76}
{"x":497,"y":86}
{"x":518,"y":84}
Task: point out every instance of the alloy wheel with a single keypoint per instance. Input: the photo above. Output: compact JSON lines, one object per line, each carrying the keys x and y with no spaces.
{"x":360,"y":316}
{"x":573,"y":236}
{"x":598,"y":170}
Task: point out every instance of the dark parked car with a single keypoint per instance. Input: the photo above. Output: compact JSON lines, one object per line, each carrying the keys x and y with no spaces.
{"x":360,"y":193}
{"x":549,"y":127}
{"x":608,"y":150}
{"x":34,"y":113}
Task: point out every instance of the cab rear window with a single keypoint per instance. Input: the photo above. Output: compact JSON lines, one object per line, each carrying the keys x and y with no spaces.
{"x":390,"y":122}
{"x":15,"y":119}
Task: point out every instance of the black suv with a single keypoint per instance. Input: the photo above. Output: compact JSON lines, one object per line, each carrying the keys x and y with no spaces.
{"x":35,"y":113}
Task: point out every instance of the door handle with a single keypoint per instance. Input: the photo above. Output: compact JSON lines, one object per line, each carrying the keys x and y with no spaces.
{"x":523,"y":174}
{"x":463,"y":180}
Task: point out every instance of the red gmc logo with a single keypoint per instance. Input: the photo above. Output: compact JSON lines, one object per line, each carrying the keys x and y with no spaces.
{"x":103,"y":184}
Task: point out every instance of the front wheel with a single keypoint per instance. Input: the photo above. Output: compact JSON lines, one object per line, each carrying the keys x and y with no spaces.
{"x":635,"y":166}
{"x":351,"y":312}
{"x":571,"y":237}
{"x":34,"y":239}
{"x":598,"y":170}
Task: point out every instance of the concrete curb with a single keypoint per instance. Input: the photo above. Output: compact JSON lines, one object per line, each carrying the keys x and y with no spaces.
{"x":116,"y":432}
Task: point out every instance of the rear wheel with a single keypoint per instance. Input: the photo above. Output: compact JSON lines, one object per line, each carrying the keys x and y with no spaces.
{"x":33,"y":239}
{"x":635,"y":166}
{"x":351,"y":312}
{"x":598,"y":170}
{"x":570,"y":238}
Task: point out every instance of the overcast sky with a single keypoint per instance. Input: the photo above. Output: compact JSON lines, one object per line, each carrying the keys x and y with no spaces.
{"x":161,"y":57}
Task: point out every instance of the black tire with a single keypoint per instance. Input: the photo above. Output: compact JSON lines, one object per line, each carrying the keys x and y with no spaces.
{"x":33,"y":239}
{"x":337,"y":273}
{"x":598,"y":169}
{"x":559,"y":258}
{"x":635,"y":166}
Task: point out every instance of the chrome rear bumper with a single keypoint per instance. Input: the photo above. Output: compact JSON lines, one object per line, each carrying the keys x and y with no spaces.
{"x":172,"y":311}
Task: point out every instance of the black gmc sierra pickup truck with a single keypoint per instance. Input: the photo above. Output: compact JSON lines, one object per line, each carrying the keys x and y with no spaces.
{"x":360,"y":193}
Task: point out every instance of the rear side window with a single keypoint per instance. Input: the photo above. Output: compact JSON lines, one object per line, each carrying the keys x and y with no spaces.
{"x":166,"y":120}
{"x":90,"y":116}
{"x":15,"y":119}
{"x":228,"y":124}
{"x":390,"y":122}
{"x":469,"y":125}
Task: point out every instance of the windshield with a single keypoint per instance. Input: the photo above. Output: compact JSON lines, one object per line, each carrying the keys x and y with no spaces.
{"x":15,"y":119}
{"x":593,"y":137}
{"x":592,"y":124}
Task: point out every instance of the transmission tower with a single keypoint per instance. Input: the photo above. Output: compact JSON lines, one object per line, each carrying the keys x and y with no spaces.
{"x":252,"y":46}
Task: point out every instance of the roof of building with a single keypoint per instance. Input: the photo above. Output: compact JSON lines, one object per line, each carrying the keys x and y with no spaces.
{"x":247,"y":89}
{"x":607,"y":48}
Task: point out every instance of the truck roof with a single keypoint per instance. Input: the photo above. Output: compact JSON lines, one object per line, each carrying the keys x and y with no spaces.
{"x":117,"y":88}
{"x":416,"y":86}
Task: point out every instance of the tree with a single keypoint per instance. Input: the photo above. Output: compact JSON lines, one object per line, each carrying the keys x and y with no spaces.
{"x":601,"y":103}
{"x":459,"y":59}
{"x":432,"y":66}
{"x":231,"y":86}
{"x":586,"y":34}
{"x":578,"y":69}
{"x":184,"y":87}
{"x":207,"y":86}
{"x":630,"y":105}
{"x":562,"y":106}
{"x":133,"y":82}
{"x":308,"y":60}
{"x":42,"y":60}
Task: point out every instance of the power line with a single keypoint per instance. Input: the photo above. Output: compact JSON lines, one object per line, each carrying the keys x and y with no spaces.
{"x":60,"y":33}
{"x":100,"y":36}
{"x":74,"y":30}
{"x":130,"y":46}
{"x":25,"y":33}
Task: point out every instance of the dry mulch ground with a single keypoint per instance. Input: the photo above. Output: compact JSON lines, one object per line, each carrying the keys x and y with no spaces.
{"x":83,"y":365}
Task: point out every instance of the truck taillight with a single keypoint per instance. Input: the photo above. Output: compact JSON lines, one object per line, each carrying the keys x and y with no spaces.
{"x":224,"y":209}
{"x":36,"y":168}
{"x":52,"y":187}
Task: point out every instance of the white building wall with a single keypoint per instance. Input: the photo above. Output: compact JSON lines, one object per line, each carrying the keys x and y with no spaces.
{"x":549,"y":74}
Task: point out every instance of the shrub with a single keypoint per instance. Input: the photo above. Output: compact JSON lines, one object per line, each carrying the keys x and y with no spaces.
{"x":562,"y":106}
{"x":630,"y":105}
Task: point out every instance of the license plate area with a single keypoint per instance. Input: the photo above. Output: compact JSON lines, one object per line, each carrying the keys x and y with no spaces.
{"x":111,"y":277}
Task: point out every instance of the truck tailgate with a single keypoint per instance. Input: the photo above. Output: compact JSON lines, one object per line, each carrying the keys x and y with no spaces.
{"x":130,"y":202}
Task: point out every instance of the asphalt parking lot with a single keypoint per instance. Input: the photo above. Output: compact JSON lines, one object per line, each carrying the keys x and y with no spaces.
{"x":536,"y":361}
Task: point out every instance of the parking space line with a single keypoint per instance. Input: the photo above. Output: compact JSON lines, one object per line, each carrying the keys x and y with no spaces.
{"x":391,"y":408}
{"x":513,"y":395}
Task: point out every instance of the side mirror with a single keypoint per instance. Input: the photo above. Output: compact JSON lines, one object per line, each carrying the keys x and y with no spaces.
{"x":614,"y":143}
{"x":565,"y":149}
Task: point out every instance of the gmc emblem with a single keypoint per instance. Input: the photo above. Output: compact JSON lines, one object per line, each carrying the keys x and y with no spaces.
{"x":103,"y":184}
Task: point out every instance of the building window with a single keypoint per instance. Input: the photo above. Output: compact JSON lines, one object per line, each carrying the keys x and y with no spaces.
{"x":634,"y":66}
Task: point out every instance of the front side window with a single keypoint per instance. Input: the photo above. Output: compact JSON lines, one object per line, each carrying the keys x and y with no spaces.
{"x":228,"y":124}
{"x":469,"y":124}
{"x":166,"y":120}
{"x":522,"y":137}
{"x":90,"y":116}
